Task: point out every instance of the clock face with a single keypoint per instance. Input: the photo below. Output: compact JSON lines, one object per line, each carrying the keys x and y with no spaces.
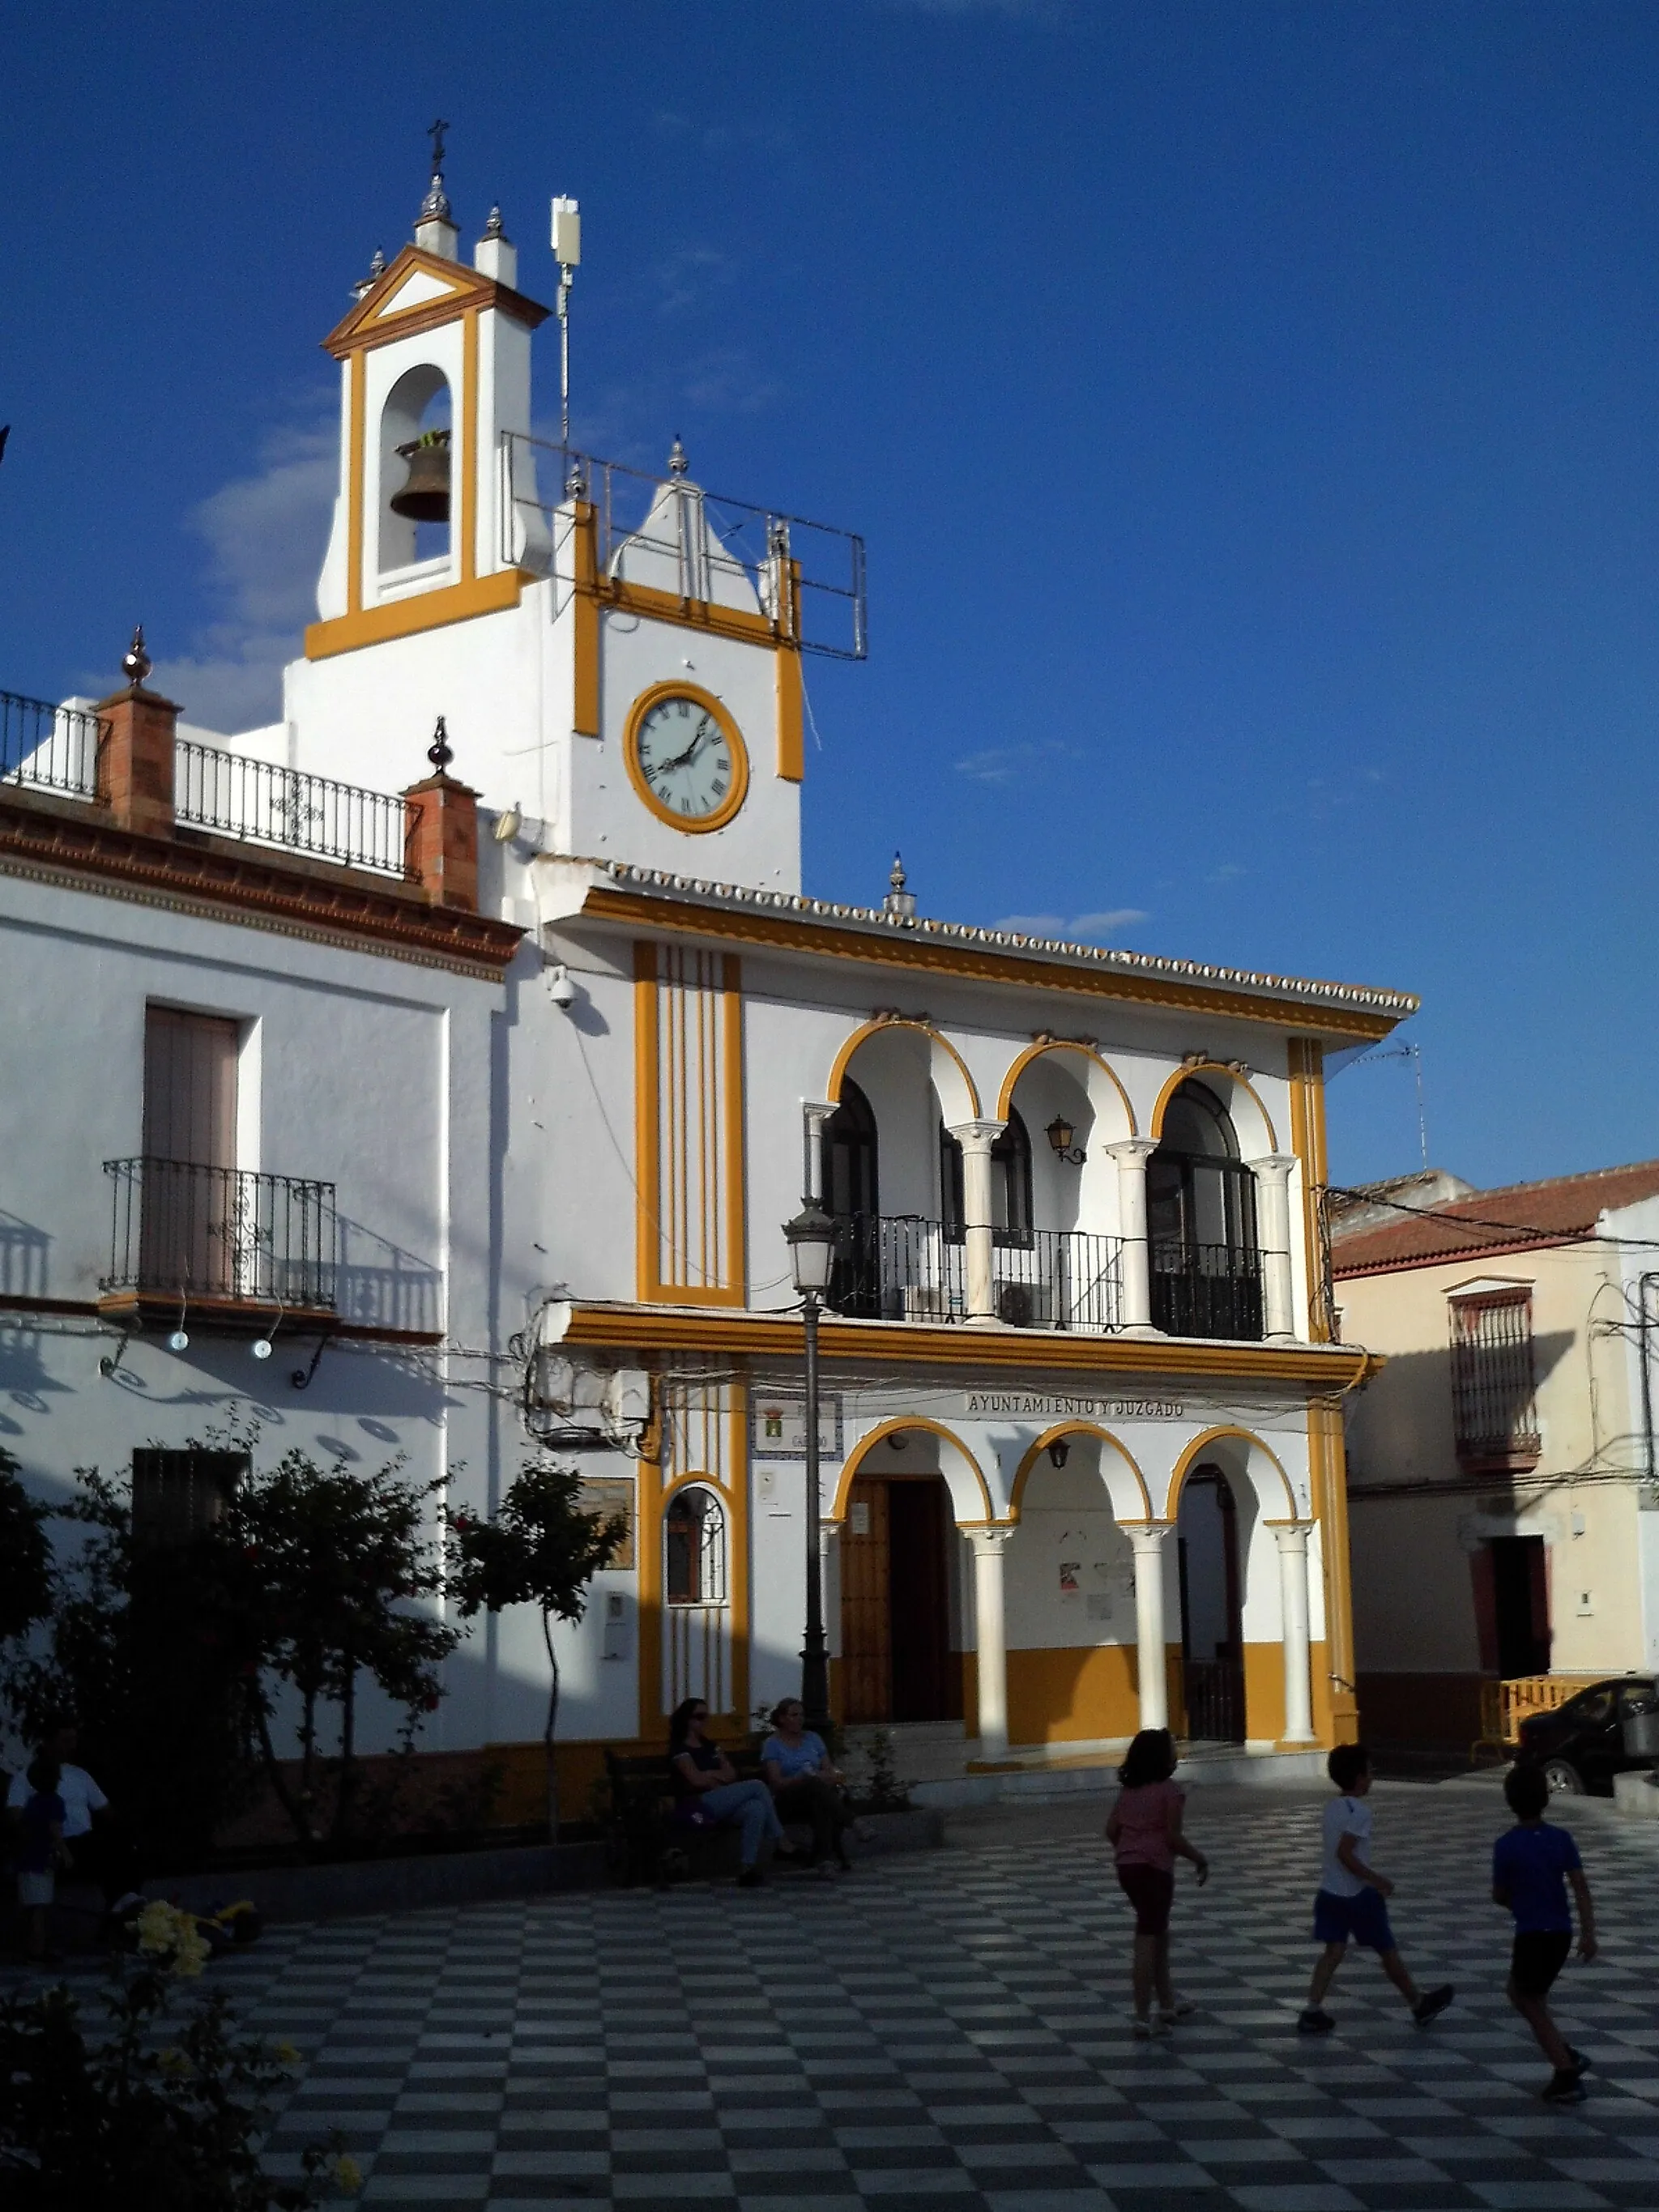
{"x":686,"y":758}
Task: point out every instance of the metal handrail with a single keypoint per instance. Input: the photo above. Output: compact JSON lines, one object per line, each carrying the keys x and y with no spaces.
{"x":1206,"y":1289}
{"x":1060,"y":1279}
{"x":51,"y":748}
{"x":183,"y":1230}
{"x":808,"y":578}
{"x":271,"y":805}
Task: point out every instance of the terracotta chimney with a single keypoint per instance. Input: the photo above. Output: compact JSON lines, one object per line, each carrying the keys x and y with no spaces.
{"x":135,"y":758}
{"x":441,"y":833}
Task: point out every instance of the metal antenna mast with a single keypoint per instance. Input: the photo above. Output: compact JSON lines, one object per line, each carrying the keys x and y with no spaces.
{"x":568,"y":252}
{"x":1414,"y":1054}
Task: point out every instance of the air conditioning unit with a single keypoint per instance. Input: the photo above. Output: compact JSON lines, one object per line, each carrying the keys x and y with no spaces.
{"x":1025,"y":1305}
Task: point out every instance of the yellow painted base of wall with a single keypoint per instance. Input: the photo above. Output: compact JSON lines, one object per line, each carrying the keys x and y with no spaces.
{"x":1072,"y":1695}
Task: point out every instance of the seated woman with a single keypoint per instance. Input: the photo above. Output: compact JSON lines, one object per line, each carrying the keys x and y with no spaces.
{"x":804,"y":1782}
{"x":707,"y":1789}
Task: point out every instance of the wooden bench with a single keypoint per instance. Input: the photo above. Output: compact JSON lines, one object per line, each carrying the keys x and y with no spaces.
{"x":645,"y":1842}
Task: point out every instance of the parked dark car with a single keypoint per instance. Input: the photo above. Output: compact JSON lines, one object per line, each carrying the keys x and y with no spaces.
{"x":1605,"y":1730}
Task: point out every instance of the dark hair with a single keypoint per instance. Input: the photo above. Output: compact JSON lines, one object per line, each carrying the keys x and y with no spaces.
{"x":782,"y":1707}
{"x":1527,"y":1791}
{"x":1347,"y":1763}
{"x":44,"y":1774}
{"x":679,"y":1723}
{"x":1151,"y":1757}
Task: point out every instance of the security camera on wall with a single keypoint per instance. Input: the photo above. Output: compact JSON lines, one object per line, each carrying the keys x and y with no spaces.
{"x":560,"y":988}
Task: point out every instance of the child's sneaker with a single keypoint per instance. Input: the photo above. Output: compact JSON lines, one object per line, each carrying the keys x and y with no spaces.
{"x":1580,"y":2064}
{"x":1565,"y":2089}
{"x":1144,"y":2030}
{"x":1430,"y":2006}
{"x":1315,"y":2020}
{"x":1183,"y":2008}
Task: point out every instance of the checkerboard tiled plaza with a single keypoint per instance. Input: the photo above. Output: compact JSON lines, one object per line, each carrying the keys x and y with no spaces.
{"x":951,"y":2029}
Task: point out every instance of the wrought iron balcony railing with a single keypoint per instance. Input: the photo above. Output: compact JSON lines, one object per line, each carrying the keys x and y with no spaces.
{"x":221,"y":1234}
{"x":49,"y":748}
{"x":1206,"y":1290}
{"x":905,"y":1267}
{"x":271,"y":805}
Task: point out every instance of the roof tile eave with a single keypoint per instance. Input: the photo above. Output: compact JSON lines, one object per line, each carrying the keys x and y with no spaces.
{"x":1371,"y":998}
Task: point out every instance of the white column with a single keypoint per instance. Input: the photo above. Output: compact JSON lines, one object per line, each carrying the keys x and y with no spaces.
{"x":1132,"y":1154}
{"x":976,"y":1138}
{"x":991,"y":1639}
{"x":1272,"y":1194}
{"x":814,"y":1113}
{"x":1292,"y":1537}
{"x":1148,"y":1539}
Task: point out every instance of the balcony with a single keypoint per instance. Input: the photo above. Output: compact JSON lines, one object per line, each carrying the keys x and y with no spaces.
{"x":1206,"y":1289}
{"x":255,"y":800}
{"x":905,"y":1267}
{"x":246,"y":1244}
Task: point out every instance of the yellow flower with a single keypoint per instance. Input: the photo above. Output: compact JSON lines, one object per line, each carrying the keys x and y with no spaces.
{"x":174,"y":2065}
{"x":286,"y":2055}
{"x":348,"y":2176}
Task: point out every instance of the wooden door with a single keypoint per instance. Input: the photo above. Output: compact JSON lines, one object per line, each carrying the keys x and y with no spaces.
{"x":189,"y":1232}
{"x":867,"y":1642}
{"x":919,"y":1603}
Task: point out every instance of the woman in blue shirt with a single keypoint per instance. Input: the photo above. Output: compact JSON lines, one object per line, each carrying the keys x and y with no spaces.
{"x":805,"y":1782}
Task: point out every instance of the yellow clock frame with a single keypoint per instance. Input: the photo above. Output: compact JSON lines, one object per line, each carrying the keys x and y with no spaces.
{"x":734,"y":800}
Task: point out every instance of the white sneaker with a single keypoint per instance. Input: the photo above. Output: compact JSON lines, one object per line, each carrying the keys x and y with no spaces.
{"x":1144,"y":2030}
{"x":1183,"y":2008}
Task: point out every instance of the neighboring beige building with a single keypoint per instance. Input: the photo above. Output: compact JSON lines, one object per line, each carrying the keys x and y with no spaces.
{"x":1504,"y":1511}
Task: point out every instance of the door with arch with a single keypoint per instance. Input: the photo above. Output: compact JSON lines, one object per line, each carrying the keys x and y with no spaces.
{"x":1212,"y":1610}
{"x":897,"y":1661}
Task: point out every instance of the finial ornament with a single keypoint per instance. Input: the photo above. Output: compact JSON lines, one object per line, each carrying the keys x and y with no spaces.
{"x":435,"y":206}
{"x":135,"y":663}
{"x":677,"y":464}
{"x":365,"y":285}
{"x":899,"y":902}
{"x":495,"y":227}
{"x":438,"y":751}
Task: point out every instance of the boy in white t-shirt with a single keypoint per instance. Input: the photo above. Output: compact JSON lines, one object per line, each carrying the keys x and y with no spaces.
{"x":1350,"y":1907}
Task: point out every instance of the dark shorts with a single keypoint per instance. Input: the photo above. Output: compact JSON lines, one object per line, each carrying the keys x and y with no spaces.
{"x":1362,"y":1920}
{"x":1150,"y":1890}
{"x":1538,"y":1957}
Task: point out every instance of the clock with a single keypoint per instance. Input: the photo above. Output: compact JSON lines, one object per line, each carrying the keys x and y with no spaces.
{"x":685,"y":756}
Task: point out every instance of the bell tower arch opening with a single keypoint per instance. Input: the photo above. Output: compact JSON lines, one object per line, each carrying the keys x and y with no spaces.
{"x":417,"y":441}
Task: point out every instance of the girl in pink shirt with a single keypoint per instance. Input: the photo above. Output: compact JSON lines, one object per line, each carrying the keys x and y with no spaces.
{"x":1145,"y":1833}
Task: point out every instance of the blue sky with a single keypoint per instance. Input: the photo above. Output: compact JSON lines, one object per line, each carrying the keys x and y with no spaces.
{"x":1250,"y":409}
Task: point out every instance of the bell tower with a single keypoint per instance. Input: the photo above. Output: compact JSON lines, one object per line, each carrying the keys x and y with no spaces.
{"x":435,"y":369}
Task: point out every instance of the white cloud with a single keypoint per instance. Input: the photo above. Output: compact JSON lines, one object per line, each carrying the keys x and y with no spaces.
{"x":1080,"y":929}
{"x":1007,"y":764}
{"x":265,"y":535}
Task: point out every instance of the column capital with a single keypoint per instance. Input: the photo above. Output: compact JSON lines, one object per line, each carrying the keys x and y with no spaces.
{"x":1129,"y":1151}
{"x":1272,"y":1167}
{"x":991,"y":1540}
{"x":1291,"y":1535}
{"x":975,"y":1136}
{"x":1147,"y":1535}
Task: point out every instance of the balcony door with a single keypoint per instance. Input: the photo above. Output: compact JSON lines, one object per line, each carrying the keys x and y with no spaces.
{"x":852,"y":1196}
{"x":189,"y":1242}
{"x":1200,"y":1224}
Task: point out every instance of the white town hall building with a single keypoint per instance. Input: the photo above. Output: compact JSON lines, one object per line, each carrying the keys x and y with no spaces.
{"x":443,"y":1114}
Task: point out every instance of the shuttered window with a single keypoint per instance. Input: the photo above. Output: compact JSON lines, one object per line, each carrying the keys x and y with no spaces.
{"x":1494,"y":1409}
{"x":177,"y":1495}
{"x":189,"y":1088}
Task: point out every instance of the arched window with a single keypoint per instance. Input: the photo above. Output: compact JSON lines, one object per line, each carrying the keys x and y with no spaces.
{"x":694,"y":1548}
{"x":1200,"y":1223}
{"x":1011,"y":1184}
{"x":416,"y":414}
{"x":849,"y":1156}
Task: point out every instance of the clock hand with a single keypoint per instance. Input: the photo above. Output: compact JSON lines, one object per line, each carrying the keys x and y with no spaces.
{"x":681,"y":760}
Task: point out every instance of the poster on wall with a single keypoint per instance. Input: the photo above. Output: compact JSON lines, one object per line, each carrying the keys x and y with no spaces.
{"x":777,"y":1426}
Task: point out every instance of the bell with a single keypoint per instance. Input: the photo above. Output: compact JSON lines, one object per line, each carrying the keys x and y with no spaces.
{"x":425,"y":497}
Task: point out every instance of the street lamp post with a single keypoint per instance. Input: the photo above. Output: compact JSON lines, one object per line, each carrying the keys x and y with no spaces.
{"x":811,"y":1237}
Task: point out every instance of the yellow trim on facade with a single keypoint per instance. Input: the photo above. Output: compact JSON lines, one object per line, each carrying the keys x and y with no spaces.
{"x":838,"y":1072}
{"x":1222,"y":1431}
{"x":367,"y":325}
{"x":697,"y":1095}
{"x":927,"y":955}
{"x":668,"y":1328}
{"x":738,"y":1577}
{"x":357,"y":375}
{"x":422,"y":610}
{"x":1328,"y":1470}
{"x":469,"y":546}
{"x":1006,"y":1096}
{"x":861,"y":1450}
{"x":585,"y":613}
{"x":1172,"y":1083}
{"x":649,"y":1586}
{"x":646,"y":602}
{"x":791,"y":743}
{"x":1022,"y":1474}
{"x":676,"y":689}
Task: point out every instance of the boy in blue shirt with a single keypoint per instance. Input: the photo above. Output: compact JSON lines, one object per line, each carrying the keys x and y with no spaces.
{"x":1528,"y":1866}
{"x":39,"y":1848}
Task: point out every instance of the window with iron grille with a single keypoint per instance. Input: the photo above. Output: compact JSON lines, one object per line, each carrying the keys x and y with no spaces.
{"x":1494,"y":1412}
{"x":177,"y":1495}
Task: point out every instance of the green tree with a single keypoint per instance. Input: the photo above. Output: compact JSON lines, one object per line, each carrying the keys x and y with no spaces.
{"x":326,"y":1571}
{"x":25,"y":1587}
{"x":539,"y":1549}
